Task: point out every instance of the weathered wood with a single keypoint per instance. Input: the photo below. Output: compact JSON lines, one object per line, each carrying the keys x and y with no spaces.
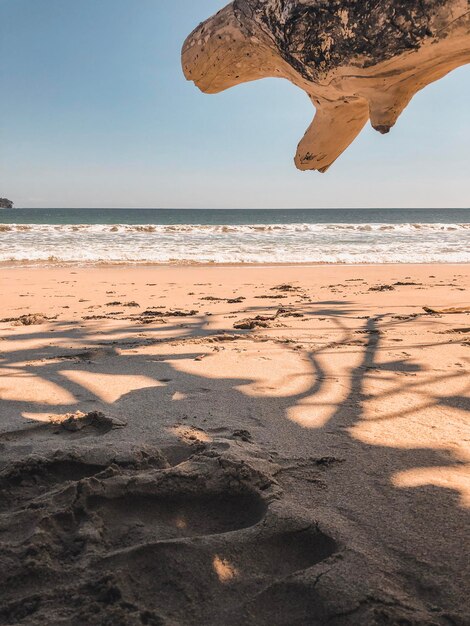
{"x":356,"y":59}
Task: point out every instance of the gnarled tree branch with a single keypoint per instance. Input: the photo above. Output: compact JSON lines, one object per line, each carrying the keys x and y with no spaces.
{"x":357,"y":60}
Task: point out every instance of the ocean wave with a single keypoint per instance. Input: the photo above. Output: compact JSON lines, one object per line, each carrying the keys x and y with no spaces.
{"x":231,"y":228}
{"x":398,"y":255}
{"x":256,"y":243}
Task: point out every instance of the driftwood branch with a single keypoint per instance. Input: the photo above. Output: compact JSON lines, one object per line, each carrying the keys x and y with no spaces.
{"x":356,"y":59}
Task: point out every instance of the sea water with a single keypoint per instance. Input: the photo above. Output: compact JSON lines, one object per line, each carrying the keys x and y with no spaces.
{"x":162,"y":236}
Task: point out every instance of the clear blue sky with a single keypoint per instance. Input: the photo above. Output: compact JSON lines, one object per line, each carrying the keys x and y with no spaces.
{"x":95,"y":112}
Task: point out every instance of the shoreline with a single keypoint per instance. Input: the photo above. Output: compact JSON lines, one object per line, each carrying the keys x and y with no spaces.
{"x":151,"y":265}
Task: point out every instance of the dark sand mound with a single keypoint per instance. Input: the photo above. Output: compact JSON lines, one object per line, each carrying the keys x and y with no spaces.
{"x":210,"y":540}
{"x":91,"y":543}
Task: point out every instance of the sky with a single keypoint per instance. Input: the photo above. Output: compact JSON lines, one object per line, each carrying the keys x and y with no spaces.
{"x":95,"y":112}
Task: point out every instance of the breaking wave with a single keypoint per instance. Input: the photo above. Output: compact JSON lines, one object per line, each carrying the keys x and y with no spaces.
{"x":252,"y":243}
{"x":227,"y":228}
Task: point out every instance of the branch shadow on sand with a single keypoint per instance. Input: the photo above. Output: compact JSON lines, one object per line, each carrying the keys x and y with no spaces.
{"x":395,"y":516}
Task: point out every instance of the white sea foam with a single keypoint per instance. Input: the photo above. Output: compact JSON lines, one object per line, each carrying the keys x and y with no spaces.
{"x":255,"y":243}
{"x":228,"y":228}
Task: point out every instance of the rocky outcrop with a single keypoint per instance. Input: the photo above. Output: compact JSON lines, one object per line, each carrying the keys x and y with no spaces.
{"x":5,"y":204}
{"x":355,"y":60}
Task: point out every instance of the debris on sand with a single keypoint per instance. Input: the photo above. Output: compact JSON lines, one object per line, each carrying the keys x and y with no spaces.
{"x":156,"y":316}
{"x":228,"y":300}
{"x":404,"y":318}
{"x":250,"y":323}
{"x":151,"y":320}
{"x":285,"y":287}
{"x":30,"y":319}
{"x":450,"y":311}
{"x":170,"y":313}
{"x":127,"y":304}
{"x":96,"y":317}
{"x":404,"y":283}
{"x":75,"y":422}
{"x":263,"y":321}
{"x":382,"y":288}
{"x":457,"y":331}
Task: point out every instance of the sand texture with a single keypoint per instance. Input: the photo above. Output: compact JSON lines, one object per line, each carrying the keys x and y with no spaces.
{"x":235,"y":446}
{"x":357,"y":61}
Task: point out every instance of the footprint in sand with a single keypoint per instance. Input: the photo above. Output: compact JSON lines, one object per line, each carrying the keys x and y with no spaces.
{"x":222,"y":580}
{"x":24,"y":482}
{"x":142,"y":519}
{"x":172,"y":545}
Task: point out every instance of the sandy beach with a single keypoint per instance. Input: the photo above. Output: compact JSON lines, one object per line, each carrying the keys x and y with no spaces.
{"x":282,"y":445}
{"x":235,"y":323}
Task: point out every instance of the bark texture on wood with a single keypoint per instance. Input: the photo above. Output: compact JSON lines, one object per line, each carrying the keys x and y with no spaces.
{"x":356,"y":59}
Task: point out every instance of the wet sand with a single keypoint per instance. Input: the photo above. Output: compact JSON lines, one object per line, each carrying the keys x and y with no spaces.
{"x":235,"y":445}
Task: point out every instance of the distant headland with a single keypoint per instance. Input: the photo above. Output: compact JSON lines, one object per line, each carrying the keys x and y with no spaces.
{"x":5,"y":203}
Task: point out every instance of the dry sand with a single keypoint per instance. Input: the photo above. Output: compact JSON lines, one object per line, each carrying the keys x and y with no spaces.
{"x":307,"y":467}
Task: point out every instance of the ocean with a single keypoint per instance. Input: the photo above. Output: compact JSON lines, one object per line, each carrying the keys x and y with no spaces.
{"x":187,"y":236}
